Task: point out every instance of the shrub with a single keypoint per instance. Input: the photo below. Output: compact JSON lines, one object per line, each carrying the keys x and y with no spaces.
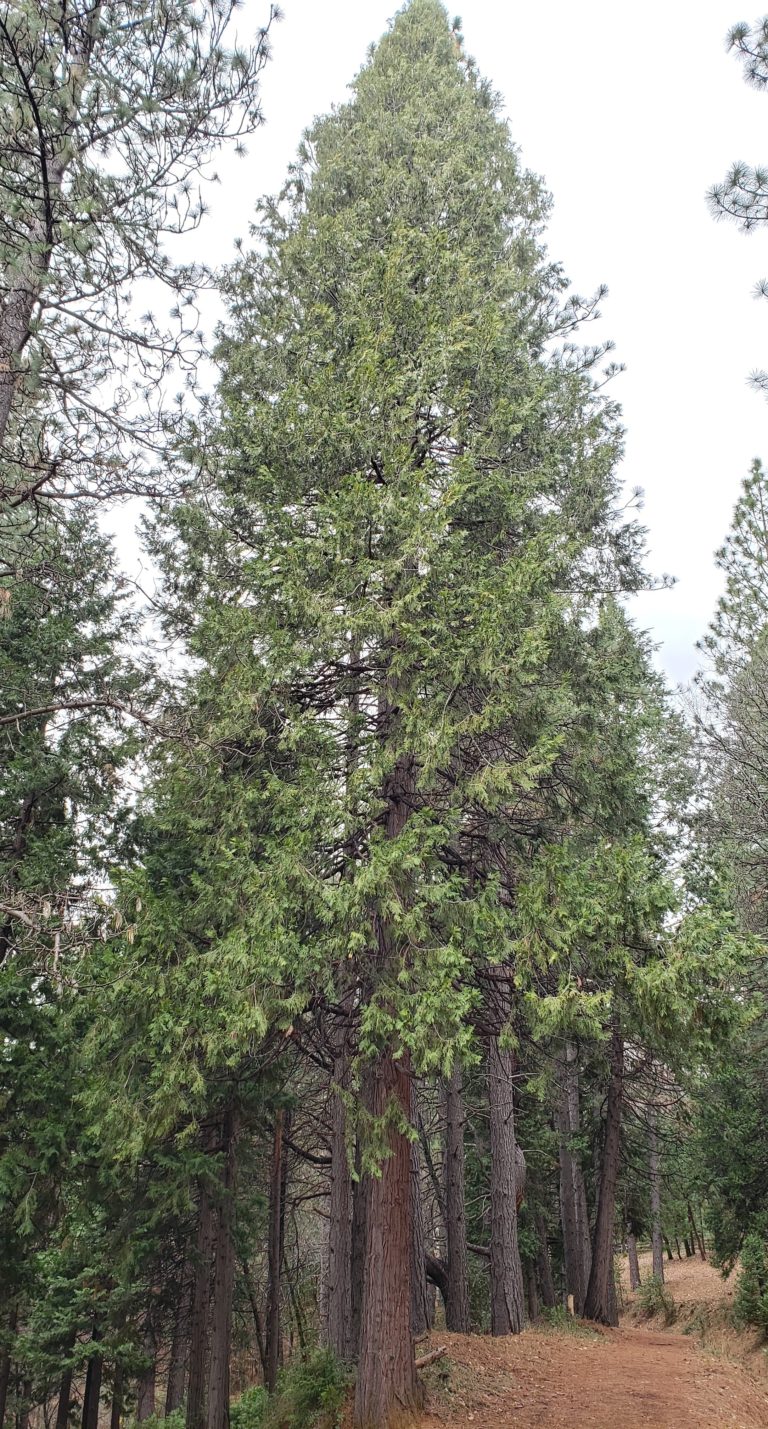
{"x":653,"y":1298}
{"x":751,"y":1302}
{"x":248,"y":1411}
{"x":309,"y":1395}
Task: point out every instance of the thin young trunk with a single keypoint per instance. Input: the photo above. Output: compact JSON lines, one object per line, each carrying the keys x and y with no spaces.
{"x":583,"y":1244}
{"x":657,"y":1241}
{"x":179,"y":1355}
{"x":420,"y":1307}
{"x":257,"y":1322}
{"x":677,"y":1248}
{"x":600,"y":1303}
{"x":543,"y":1264}
{"x":273,"y":1254}
{"x":223,"y":1279}
{"x":64,"y":1402}
{"x":507,"y":1294}
{"x":116,"y":1408}
{"x":457,"y":1301}
{"x":5,"y":1361}
{"x":92,"y":1392}
{"x":634,"y":1263}
{"x":145,"y":1402}
{"x":199,"y":1317}
{"x":338,"y":1289}
{"x":697,"y":1237}
{"x":533,"y":1294}
{"x":22,"y":1416}
{"x":386,"y":1381}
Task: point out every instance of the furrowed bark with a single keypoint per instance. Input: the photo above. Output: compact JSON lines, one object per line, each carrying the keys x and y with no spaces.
{"x":5,"y":1361}
{"x":573,"y":1198}
{"x":457,"y":1300}
{"x":339,"y":1276}
{"x":600,"y":1303}
{"x":223,"y":1279}
{"x":386,"y":1392}
{"x":92,"y":1392}
{"x":145,"y":1401}
{"x":544,"y":1265}
{"x":197,"y":1392}
{"x":179,"y":1355}
{"x":273,"y":1254}
{"x":420,"y":1304}
{"x":634,"y":1263}
{"x":507,"y":1293}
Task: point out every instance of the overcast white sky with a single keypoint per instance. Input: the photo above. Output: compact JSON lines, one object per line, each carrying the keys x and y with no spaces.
{"x":630,"y":112}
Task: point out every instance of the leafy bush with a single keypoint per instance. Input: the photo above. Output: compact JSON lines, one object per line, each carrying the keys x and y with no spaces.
{"x":309,"y":1395}
{"x":175,"y":1420}
{"x":653,"y":1298}
{"x":248,"y":1411}
{"x":751,"y":1303}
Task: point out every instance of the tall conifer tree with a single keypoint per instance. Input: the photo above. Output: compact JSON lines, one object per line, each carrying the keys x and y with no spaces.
{"x":412,"y":479}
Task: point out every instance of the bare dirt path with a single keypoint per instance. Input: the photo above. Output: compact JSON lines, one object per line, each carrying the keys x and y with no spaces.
{"x":618,"y":1379}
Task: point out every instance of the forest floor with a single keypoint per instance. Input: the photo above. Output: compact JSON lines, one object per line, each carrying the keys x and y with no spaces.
{"x":699,"y":1373}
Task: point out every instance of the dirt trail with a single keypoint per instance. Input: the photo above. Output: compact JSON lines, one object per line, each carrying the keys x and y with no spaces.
{"x":618,"y":1379}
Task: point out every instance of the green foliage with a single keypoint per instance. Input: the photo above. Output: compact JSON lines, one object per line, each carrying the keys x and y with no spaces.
{"x":176,"y":1419}
{"x":249,"y":1410}
{"x":751,"y":1300}
{"x":310,"y":1395}
{"x":558,"y":1318}
{"x":654,"y":1298}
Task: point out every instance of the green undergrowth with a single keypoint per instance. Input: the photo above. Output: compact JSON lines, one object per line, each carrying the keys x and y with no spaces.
{"x":558,"y":1318}
{"x":653,"y":1298}
{"x":309,"y":1395}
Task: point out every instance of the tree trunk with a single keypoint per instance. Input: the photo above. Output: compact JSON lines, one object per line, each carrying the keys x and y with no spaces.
{"x":273,"y":1254}
{"x":5,"y":1361}
{"x":544,"y":1265}
{"x":360,"y":1188}
{"x":507,"y":1294}
{"x":634,"y":1263}
{"x":145,"y":1401}
{"x":179,"y":1354}
{"x":25,"y":286}
{"x":457,"y":1302}
{"x":533,"y":1294}
{"x":386,"y":1392}
{"x":420,"y":1305}
{"x":657,"y":1242}
{"x":92,"y":1392}
{"x":689,"y":1247}
{"x":577,"y":1251}
{"x":223,"y":1279}
{"x":198,"y":1330}
{"x":22,"y":1415}
{"x":64,"y":1403}
{"x":600,"y":1303}
{"x":697,"y":1238}
{"x":116,"y":1408}
{"x":339,"y":1276}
